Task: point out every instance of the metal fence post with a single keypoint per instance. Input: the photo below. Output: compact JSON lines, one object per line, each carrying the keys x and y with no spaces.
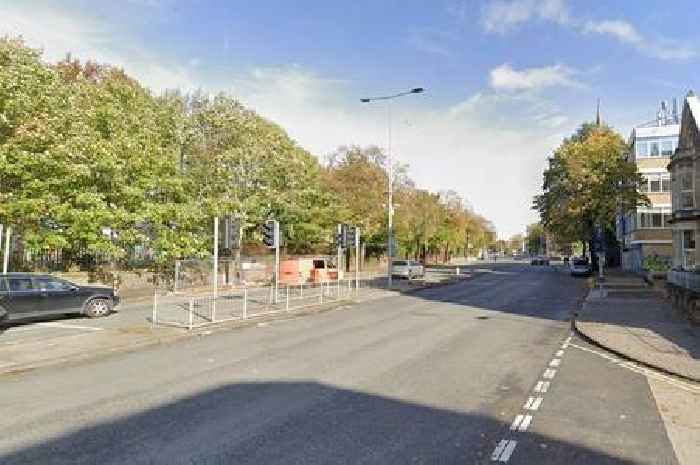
{"x":189,"y":323}
{"x":321,"y":293}
{"x":287,"y":304}
{"x":245,"y":303}
{"x":301,"y":289}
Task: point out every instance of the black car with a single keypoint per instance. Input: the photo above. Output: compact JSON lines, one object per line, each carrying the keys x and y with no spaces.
{"x":29,"y":295}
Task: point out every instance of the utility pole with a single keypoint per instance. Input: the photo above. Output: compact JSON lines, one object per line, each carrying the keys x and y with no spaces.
{"x":216,"y":264}
{"x":6,"y":258}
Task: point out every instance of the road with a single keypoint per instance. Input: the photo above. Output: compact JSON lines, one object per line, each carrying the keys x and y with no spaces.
{"x":476,"y":372}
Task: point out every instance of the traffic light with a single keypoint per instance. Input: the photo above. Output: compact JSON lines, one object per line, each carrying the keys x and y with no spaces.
{"x":270,"y":233}
{"x":351,"y":236}
{"x":232,"y":233}
{"x":341,"y":237}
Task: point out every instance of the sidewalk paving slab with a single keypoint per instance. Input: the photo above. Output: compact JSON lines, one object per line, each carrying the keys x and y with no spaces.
{"x":641,"y":326}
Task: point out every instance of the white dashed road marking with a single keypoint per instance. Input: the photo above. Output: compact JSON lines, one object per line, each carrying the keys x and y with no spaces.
{"x":549,"y":373}
{"x":504,"y":450}
{"x":542,"y":386}
{"x":559,"y":353}
{"x":521,"y":423}
{"x":533,"y":403}
{"x":555,"y":362}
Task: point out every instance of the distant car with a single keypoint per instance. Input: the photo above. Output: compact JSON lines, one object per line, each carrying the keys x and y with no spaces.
{"x":407,"y":269}
{"x":29,"y":295}
{"x":539,"y":260}
{"x":580,"y":267}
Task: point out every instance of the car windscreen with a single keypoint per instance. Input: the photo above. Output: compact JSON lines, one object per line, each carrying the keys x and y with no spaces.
{"x":400,"y":263}
{"x":580,"y":262}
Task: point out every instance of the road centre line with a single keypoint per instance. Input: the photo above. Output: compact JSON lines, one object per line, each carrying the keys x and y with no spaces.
{"x":521,"y":422}
{"x":503,"y":450}
{"x":533,"y":403}
{"x":555,"y":362}
{"x":549,"y":373}
{"x":542,"y":386}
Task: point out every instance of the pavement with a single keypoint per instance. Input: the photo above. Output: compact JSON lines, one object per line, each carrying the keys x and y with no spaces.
{"x":479,"y":371}
{"x":634,"y":320}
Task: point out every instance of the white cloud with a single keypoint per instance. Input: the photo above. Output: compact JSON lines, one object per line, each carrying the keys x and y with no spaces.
{"x":502,"y":15}
{"x":491,"y":147}
{"x":57,"y":32}
{"x":625,"y":32}
{"x":505,"y":77}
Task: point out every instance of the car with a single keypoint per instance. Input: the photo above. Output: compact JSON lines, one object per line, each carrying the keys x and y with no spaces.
{"x":31,"y":295}
{"x":539,"y":260}
{"x":407,"y":269}
{"x":579,"y":267}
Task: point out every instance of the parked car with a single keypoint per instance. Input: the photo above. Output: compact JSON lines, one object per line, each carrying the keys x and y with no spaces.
{"x":29,"y":295}
{"x":539,"y":260}
{"x":407,"y":269}
{"x":579,"y":267}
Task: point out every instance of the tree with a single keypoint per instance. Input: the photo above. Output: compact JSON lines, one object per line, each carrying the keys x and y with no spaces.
{"x":586,"y":183}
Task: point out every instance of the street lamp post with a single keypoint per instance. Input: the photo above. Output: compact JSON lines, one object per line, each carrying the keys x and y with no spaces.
{"x":390,"y":195}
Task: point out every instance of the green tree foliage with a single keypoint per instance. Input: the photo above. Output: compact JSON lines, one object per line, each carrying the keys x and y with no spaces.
{"x":586,"y":183}
{"x":92,"y":165}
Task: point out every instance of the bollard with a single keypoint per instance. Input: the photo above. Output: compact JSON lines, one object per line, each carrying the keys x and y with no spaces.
{"x":245,"y":303}
{"x":189,"y":325}
{"x":301,"y":289}
{"x":457,"y":270}
{"x":287,"y":304}
{"x":321,"y":293}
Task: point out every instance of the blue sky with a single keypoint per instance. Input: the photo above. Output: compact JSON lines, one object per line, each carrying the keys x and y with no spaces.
{"x":506,"y":79}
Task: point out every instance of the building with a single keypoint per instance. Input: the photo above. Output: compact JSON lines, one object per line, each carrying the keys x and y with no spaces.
{"x":686,"y":203}
{"x":644,"y":232}
{"x":683,"y":280}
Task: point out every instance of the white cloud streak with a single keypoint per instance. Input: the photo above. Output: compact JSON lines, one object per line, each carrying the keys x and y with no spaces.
{"x":625,"y":32}
{"x":502,"y":16}
{"x":506,"y":78}
{"x":57,"y":32}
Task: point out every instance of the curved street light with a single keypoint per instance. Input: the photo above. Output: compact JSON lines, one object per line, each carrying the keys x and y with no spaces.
{"x":390,"y":226}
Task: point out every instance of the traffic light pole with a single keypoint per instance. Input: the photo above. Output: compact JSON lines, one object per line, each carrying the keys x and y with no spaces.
{"x":357,"y":259}
{"x":216,"y":265}
{"x":277,"y":258}
{"x":340,"y":251}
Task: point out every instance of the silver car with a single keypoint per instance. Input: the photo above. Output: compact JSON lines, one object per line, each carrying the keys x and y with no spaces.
{"x":407,"y":269}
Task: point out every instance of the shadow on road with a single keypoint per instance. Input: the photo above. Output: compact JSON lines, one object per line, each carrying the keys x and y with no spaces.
{"x":295,"y":423}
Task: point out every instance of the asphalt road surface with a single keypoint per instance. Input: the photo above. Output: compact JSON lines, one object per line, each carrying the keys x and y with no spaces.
{"x":483,"y":371}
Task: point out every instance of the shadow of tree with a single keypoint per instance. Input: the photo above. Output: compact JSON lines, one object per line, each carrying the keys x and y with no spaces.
{"x":296,"y":423}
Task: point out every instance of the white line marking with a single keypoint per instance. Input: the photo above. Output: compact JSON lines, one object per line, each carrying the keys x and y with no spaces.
{"x":52,"y":324}
{"x":549,"y":373}
{"x":499,"y":448}
{"x":536,"y":404}
{"x":643,"y":371}
{"x":516,"y":422}
{"x":526,"y":422}
{"x":542,"y":386}
{"x":510,"y":447}
{"x":533,"y":403}
{"x":559,"y":353}
{"x":568,"y":340}
{"x":555,"y":362}
{"x":564,"y":346}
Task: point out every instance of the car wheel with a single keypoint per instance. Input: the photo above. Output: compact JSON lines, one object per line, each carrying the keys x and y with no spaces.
{"x":97,"y":308}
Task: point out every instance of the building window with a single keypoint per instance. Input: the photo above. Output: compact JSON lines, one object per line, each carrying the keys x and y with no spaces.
{"x":688,"y":249}
{"x":686,"y":196}
{"x":667,"y":148}
{"x":656,"y":183}
{"x":651,"y":218}
{"x":654,"y":148}
{"x":642,"y":149}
